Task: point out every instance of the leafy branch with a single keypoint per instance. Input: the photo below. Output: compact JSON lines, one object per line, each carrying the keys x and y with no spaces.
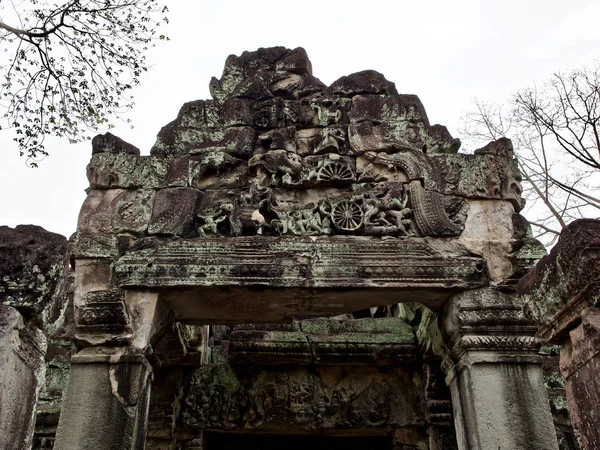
{"x":72,"y":65}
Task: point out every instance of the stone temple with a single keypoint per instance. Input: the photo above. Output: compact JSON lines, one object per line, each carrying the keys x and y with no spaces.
{"x":294,"y":265}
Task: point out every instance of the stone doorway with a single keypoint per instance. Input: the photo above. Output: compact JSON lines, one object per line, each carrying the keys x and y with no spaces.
{"x":279,"y":203}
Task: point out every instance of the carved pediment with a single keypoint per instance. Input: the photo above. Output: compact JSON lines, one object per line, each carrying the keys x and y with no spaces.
{"x":277,"y":154}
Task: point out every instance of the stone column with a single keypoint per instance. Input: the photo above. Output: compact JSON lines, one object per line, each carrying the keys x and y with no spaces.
{"x":562,"y":294}
{"x":580,"y":367}
{"x":106,"y":402}
{"x":22,"y":350}
{"x":495,"y":376}
{"x":105,"y":406}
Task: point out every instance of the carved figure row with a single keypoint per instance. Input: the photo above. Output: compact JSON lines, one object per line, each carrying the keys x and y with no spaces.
{"x":302,"y":401}
{"x":381,"y":210}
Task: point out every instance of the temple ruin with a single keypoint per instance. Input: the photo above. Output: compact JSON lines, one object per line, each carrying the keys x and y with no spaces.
{"x":293,"y":265}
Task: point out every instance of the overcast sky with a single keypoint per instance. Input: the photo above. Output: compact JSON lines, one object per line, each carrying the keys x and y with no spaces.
{"x":446,"y":52}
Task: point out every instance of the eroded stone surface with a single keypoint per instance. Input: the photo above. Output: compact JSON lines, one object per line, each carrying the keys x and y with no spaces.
{"x":173,"y":212}
{"x":377,"y":342}
{"x":22,"y":349}
{"x":109,"y":143}
{"x":562,"y":294}
{"x":580,"y":366}
{"x":567,"y":281}
{"x":300,"y":400}
{"x":31,"y":265}
{"x":116,"y":211}
{"x":37,"y":339}
{"x":107,"y":397}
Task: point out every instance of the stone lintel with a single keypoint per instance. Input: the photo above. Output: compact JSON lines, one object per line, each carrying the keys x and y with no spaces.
{"x":211,"y":280}
{"x":110,"y":355}
{"x":299,"y":262}
{"x":380,"y":342}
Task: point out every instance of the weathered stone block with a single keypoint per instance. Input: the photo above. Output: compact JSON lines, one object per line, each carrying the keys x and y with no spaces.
{"x":499,"y":147}
{"x":173,"y":211}
{"x":109,"y":143}
{"x":384,"y":341}
{"x":562,"y":293}
{"x":237,"y":141}
{"x":391,"y":109}
{"x":565,"y":282}
{"x":217,"y":170}
{"x":85,"y":245}
{"x":389,"y":137}
{"x":126,"y":171}
{"x":489,"y":232}
{"x":193,"y":115}
{"x":295,"y":61}
{"x":470,"y":176}
{"x":378,"y":342}
{"x":149,"y":317}
{"x":323,"y":111}
{"x":91,"y":274}
{"x":116,"y":211}
{"x":233,"y":113}
{"x":251,"y":68}
{"x":365,"y":82}
{"x":580,"y":366}
{"x":401,"y":119}
{"x":31,"y":265}
{"x":102,"y":319}
{"x":256,"y":86}
{"x":291,"y":85}
{"x":266,"y":346}
{"x":178,"y":172}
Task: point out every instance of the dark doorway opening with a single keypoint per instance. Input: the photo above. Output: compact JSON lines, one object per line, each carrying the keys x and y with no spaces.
{"x":220,"y":441}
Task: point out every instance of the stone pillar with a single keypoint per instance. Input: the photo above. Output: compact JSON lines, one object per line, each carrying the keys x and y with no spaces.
{"x":580,"y":367}
{"x":22,"y":350}
{"x":105,"y":406}
{"x":106,"y":402}
{"x":495,"y":376}
{"x":562,"y":294}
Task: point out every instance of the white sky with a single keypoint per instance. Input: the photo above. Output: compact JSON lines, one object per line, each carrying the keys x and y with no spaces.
{"x":447,"y":52}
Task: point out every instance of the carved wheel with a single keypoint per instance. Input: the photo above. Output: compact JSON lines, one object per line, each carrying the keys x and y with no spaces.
{"x":335,"y":172}
{"x":347,"y":216}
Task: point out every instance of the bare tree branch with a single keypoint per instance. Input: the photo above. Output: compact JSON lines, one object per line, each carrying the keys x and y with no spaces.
{"x":554,"y":128}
